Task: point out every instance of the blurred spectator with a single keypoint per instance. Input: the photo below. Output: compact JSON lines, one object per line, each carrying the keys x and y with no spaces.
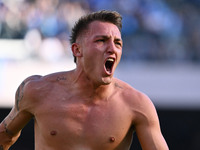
{"x":51,"y":50}
{"x":152,"y":30}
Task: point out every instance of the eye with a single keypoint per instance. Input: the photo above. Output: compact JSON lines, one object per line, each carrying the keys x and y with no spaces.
{"x":118,"y":44}
{"x":100,"y":40}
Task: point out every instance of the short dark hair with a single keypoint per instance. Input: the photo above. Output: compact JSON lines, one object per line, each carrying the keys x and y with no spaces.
{"x":104,"y":15}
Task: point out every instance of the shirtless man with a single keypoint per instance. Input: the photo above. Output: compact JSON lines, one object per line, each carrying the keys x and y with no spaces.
{"x":86,"y":108}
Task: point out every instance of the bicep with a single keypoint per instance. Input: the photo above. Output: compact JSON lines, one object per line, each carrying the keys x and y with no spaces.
{"x":22,"y":95}
{"x":150,"y":137}
{"x":148,"y":128}
{"x":19,"y":116}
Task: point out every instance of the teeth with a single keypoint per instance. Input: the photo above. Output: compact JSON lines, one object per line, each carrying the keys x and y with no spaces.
{"x":110,"y":59}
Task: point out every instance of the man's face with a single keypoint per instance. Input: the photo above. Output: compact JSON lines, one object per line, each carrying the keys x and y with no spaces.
{"x":101,"y":48}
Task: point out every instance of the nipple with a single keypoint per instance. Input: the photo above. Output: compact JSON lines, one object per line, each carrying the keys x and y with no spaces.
{"x":53,"y":133}
{"x":112,"y":139}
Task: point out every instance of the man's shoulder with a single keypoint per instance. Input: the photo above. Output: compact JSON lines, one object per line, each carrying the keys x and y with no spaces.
{"x":32,"y":78}
{"x":35,"y":82}
{"x":35,"y":88}
{"x":138,"y":102}
{"x":53,"y":77}
{"x":28,"y":85}
{"x":131,"y":95}
{"x":22,"y":96}
{"x":126,"y":88}
{"x":28,"y":82}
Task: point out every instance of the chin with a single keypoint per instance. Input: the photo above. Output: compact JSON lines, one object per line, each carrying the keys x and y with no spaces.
{"x":107,"y":80}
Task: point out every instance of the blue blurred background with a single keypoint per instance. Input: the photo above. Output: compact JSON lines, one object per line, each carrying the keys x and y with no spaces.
{"x":161,"y":55}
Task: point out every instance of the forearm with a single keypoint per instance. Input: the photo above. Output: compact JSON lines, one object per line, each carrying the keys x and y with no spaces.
{"x":6,"y":138}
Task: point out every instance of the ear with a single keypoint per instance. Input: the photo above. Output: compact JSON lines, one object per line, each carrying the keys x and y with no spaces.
{"x":76,"y":50}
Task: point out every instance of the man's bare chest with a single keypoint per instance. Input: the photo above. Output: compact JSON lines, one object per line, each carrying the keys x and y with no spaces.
{"x":105,"y":122}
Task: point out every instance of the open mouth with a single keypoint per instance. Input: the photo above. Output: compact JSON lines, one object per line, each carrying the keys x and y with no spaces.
{"x":109,"y":64}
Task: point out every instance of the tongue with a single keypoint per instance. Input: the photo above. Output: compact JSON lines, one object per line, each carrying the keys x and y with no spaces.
{"x":108,"y":69}
{"x":108,"y":66}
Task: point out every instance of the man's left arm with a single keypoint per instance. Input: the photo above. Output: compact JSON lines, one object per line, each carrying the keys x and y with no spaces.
{"x":148,"y":127}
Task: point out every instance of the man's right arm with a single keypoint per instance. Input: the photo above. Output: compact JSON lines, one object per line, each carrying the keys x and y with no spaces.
{"x":7,"y":136}
{"x":18,"y":117}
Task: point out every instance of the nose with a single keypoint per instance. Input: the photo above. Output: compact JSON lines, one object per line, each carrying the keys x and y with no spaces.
{"x":111,"y":47}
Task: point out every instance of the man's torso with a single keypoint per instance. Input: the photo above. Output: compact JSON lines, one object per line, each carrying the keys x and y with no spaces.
{"x":66,"y":120}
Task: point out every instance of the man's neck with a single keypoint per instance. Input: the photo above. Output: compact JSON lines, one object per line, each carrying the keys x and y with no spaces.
{"x":90,"y":89}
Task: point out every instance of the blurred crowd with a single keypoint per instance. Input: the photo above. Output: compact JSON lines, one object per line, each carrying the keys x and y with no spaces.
{"x":157,"y":30}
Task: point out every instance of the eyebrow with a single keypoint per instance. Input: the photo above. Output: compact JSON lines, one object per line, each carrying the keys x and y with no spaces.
{"x":107,"y":37}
